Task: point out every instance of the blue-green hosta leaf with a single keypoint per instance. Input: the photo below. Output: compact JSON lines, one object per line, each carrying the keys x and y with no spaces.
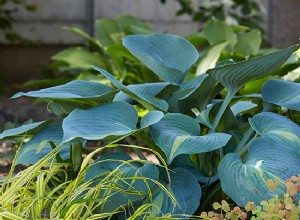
{"x":192,"y":94}
{"x":27,"y":129}
{"x":151,"y":118}
{"x":242,"y":106}
{"x":185,"y":162}
{"x":249,"y":43}
{"x":80,"y":58}
{"x":282,"y":93}
{"x":183,"y":187}
{"x":275,"y":155}
{"x":210,"y":58}
{"x":146,"y":100}
{"x":34,"y":150}
{"x":267,"y":159}
{"x":228,"y":120}
{"x":178,"y":134}
{"x":275,"y":126}
{"x":128,"y":181}
{"x":235,"y":76}
{"x":151,"y":89}
{"x":203,"y":116}
{"x":111,"y":119}
{"x":168,"y":56}
{"x":63,"y":108}
{"x":76,"y":90}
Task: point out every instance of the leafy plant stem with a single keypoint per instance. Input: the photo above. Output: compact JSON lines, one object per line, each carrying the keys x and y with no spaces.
{"x":241,"y":146}
{"x":57,"y":156}
{"x":76,"y":155}
{"x":150,"y":143}
{"x":136,"y":150}
{"x":221,"y":111}
{"x":210,"y":195}
{"x":291,"y":115}
{"x":245,"y":147}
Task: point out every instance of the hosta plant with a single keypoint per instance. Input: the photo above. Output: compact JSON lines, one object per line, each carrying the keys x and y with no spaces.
{"x":207,"y":137}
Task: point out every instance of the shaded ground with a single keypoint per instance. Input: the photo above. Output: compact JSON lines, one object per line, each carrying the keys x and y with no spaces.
{"x":21,"y":110}
{"x":17,"y":111}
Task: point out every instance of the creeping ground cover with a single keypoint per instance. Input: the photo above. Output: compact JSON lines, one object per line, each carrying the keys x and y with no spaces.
{"x":211,"y":142}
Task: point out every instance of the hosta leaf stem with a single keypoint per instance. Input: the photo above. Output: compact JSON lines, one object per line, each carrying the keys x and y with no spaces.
{"x":76,"y":155}
{"x":138,"y":152}
{"x":221,"y":111}
{"x":242,"y":146}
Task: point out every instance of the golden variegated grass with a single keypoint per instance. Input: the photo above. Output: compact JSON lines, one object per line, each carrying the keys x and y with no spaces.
{"x":27,"y":195}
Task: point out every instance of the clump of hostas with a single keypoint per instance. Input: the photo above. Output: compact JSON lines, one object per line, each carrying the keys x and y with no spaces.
{"x":278,"y":207}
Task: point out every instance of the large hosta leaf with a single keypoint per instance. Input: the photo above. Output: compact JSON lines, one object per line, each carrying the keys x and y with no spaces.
{"x":146,"y":100}
{"x":283,"y":93}
{"x":179,"y":134}
{"x":76,"y":90}
{"x":275,"y":126}
{"x":275,"y":155}
{"x":234,"y":76}
{"x":112,"y":119}
{"x":168,"y":56}
{"x":267,"y":159}
{"x":128,"y":181}
{"x":184,"y":188}
{"x":242,"y":106}
{"x":28,"y":129}
{"x":38,"y":147}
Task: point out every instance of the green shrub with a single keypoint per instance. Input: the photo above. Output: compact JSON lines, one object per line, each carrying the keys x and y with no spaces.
{"x":207,"y":137}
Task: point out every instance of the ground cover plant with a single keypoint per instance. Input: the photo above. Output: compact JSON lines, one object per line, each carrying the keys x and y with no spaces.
{"x":210,"y":139}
